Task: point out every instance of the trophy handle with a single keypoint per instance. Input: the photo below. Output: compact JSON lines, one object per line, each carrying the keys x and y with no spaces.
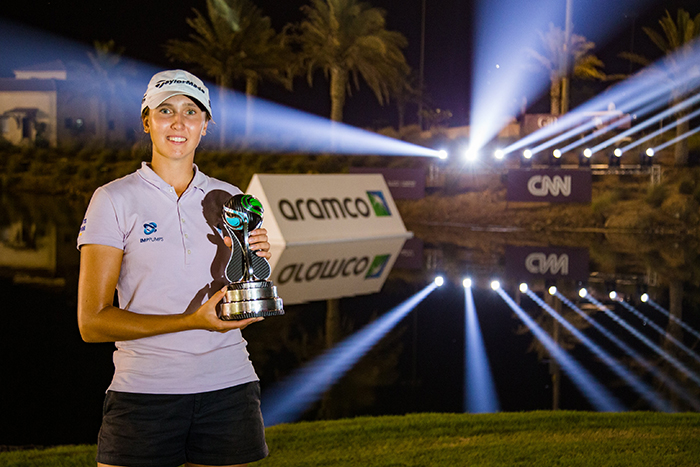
{"x":256,"y":267}
{"x":234,"y":267}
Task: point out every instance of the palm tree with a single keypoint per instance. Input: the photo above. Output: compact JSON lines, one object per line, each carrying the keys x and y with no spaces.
{"x":582,"y":63}
{"x":106,"y":79}
{"x":234,"y":42}
{"x":675,"y":42}
{"x":348,"y":38}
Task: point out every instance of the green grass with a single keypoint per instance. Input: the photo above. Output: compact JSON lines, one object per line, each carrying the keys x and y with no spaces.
{"x":505,"y":439}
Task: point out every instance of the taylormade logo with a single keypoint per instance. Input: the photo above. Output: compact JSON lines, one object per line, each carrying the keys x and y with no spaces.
{"x":543,"y":185}
{"x":334,"y":208}
{"x":168,"y":82}
{"x":539,"y":263}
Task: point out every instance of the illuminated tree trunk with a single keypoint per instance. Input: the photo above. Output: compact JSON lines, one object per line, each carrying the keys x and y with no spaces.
{"x":223,"y":82}
{"x":555,"y":95}
{"x":339,"y":80}
{"x":680,"y":150}
{"x":251,"y":90}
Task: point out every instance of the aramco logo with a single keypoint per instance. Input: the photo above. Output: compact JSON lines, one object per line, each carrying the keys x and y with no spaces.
{"x":540,"y":263}
{"x":543,"y":185}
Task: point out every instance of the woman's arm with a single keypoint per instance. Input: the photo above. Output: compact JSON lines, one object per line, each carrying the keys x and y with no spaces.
{"x":100,"y":321}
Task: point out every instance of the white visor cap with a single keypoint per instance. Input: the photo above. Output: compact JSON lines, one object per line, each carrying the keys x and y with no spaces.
{"x":170,"y":83}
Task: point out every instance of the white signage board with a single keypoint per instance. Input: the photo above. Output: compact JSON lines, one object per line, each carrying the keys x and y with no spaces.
{"x":302,"y":209}
{"x":322,"y":271}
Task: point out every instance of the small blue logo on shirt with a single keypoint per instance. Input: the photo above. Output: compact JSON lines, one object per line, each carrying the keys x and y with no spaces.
{"x":149,"y":228}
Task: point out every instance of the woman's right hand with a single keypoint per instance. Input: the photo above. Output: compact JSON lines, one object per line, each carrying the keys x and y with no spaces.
{"x":206,"y":316}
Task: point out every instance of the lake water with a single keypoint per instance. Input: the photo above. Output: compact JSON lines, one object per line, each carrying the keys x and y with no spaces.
{"x":52,"y":383}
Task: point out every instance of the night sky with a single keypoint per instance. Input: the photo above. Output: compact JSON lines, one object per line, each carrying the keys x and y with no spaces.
{"x":142,"y":27}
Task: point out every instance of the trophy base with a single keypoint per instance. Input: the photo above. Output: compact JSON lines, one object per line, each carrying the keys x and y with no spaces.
{"x":252,"y":299}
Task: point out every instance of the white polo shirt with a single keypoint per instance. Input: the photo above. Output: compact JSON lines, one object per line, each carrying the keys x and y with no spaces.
{"x":174,"y":260}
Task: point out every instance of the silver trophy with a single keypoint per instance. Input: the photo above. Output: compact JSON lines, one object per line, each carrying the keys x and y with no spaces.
{"x":250,"y":294}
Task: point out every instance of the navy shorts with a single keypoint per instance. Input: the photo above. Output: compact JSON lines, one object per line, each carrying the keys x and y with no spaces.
{"x":162,"y":430}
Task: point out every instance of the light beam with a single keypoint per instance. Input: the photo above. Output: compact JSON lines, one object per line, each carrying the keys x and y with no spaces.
{"x":635,"y":383}
{"x":289,"y":399}
{"x":597,"y":395}
{"x":480,"y":391}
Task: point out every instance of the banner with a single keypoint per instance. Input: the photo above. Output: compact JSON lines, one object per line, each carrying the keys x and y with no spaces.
{"x":403,"y":183}
{"x":303,"y":209}
{"x":550,"y":185}
{"x":306,"y":273}
{"x":527,"y":263}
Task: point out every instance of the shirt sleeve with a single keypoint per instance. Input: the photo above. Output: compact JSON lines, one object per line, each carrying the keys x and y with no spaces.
{"x":101,"y":223}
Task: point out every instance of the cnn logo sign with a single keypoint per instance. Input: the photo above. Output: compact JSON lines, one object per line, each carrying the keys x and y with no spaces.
{"x":556,"y":186}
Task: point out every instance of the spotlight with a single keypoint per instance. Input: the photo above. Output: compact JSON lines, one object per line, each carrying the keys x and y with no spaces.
{"x":555,"y":158}
{"x":552,"y":290}
{"x":612,"y":295}
{"x":582,"y":292}
{"x":442,"y":154}
{"x":470,"y":155}
{"x":499,"y":154}
{"x":467,"y":282}
{"x":523,"y":287}
{"x":439,"y":280}
{"x":645,"y":158}
{"x":526,"y":160}
{"x":584,"y":160}
{"x":527,"y":154}
{"x":644,"y":298}
{"x":495,"y":285}
{"x":650,"y":152}
{"x":614,"y":159}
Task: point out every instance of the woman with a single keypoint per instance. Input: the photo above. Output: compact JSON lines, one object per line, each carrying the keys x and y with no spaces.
{"x":184,"y":390}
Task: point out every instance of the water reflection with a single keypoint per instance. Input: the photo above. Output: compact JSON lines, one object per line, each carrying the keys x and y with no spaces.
{"x":53,"y":383}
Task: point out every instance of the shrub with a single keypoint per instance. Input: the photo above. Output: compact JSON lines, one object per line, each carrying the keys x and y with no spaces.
{"x":656,"y":195}
{"x":686,"y":187}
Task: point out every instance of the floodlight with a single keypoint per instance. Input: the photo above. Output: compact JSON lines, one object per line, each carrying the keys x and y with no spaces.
{"x":467,"y":282}
{"x":645,"y":158}
{"x":582,"y":292}
{"x":612,"y":295}
{"x":527,"y":154}
{"x":584,"y":159}
{"x":442,"y":154}
{"x":499,"y":154}
{"x":614,"y":159}
{"x":470,"y":154}
{"x":644,"y":298}
{"x":495,"y":285}
{"x":552,"y":290}
{"x":439,"y":280}
{"x":523,"y":287}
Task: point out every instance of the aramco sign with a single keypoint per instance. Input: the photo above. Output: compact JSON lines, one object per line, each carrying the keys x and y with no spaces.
{"x":554,"y":186}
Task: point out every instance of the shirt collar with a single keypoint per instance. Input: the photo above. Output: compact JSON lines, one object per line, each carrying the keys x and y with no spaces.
{"x":199,"y":181}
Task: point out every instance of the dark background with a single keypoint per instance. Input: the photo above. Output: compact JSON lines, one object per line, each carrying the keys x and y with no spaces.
{"x":142,"y":27}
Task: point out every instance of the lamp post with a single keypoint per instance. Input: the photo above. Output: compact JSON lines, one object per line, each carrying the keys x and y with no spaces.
{"x":421,"y":65}
{"x":564,"y":107}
